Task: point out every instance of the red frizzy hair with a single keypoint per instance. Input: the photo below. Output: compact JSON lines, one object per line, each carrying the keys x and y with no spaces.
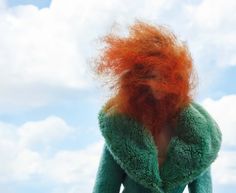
{"x":150,"y":74}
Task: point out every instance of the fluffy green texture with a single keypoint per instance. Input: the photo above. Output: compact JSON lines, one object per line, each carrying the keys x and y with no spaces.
{"x":130,"y":151}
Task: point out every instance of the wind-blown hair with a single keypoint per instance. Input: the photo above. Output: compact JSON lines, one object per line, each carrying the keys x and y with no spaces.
{"x":150,"y":73}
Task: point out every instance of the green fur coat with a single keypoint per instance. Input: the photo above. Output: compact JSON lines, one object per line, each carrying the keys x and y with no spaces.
{"x":130,"y":155}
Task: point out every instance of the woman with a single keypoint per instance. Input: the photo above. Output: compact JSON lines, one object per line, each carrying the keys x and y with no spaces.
{"x":157,"y":138}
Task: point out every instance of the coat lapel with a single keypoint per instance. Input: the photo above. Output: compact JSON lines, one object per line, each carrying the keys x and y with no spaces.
{"x":190,"y":152}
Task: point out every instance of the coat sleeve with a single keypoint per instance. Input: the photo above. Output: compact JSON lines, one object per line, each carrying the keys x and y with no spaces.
{"x":202,"y":184}
{"x":109,"y":175}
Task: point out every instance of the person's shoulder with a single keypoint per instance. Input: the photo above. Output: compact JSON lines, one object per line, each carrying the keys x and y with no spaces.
{"x":195,"y":109}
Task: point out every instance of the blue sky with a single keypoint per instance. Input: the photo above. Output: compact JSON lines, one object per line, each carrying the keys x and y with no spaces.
{"x":49,"y":136}
{"x":38,"y":3}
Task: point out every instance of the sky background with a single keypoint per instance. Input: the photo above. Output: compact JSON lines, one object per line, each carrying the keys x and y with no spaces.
{"x":49,"y":136}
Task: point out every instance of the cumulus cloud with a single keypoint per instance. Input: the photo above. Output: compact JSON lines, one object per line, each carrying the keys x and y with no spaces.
{"x":214,"y":35}
{"x":212,"y":14}
{"x":7,"y":144}
{"x":18,"y":159}
{"x":39,"y":56}
{"x":46,"y":131}
{"x":38,"y":47}
{"x":75,"y":168}
{"x":67,"y":170}
{"x":223,"y":169}
{"x":224,"y":111}
{"x":2,"y":5}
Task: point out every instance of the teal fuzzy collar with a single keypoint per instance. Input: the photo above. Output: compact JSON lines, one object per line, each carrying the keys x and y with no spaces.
{"x":189,"y":153}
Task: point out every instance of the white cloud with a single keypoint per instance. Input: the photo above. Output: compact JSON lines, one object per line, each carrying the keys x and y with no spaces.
{"x":67,"y":170}
{"x":213,"y":32}
{"x":43,"y":49}
{"x":39,"y":53}
{"x":24,"y":165}
{"x":46,"y":131}
{"x":224,"y":111}
{"x":8,"y":150}
{"x":2,"y":4}
{"x":75,"y":168}
{"x":223,"y":169}
{"x":212,"y":14}
{"x":18,"y":159}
